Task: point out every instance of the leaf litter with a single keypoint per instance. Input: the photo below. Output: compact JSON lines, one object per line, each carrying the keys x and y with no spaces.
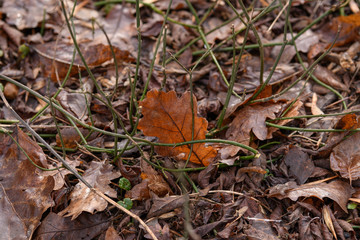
{"x":297,"y":178}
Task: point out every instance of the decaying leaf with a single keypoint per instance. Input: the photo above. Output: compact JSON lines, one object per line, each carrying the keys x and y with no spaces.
{"x":152,"y":181}
{"x":56,"y":57}
{"x":250,"y":118}
{"x":299,"y":163}
{"x":170,"y":119}
{"x":14,"y":229}
{"x":86,"y":226}
{"x":328,"y":77}
{"x":27,"y":193}
{"x":99,"y":175}
{"x":303,"y":44}
{"x":165,"y":205}
{"x":348,"y":33}
{"x":22,"y":14}
{"x":59,"y":174}
{"x":337,"y":190}
{"x":345,"y":157}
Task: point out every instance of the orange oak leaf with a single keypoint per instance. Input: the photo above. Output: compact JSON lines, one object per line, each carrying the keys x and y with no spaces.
{"x":170,"y":120}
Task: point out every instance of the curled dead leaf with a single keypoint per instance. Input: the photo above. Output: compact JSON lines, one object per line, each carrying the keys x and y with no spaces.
{"x":337,"y":190}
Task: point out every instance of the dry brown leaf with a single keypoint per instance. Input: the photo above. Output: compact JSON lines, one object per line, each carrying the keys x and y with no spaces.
{"x":170,"y":120}
{"x":112,"y":234}
{"x":326,"y":215}
{"x":328,"y":77}
{"x":27,"y":193}
{"x":337,"y":190}
{"x":348,"y":33}
{"x":345,"y":157}
{"x":294,"y":111}
{"x":70,"y":137}
{"x":86,"y":226}
{"x":152,"y":181}
{"x":250,"y":118}
{"x":13,"y":227}
{"x":56,"y":57}
{"x":299,"y":163}
{"x":23,"y":15}
{"x":59,"y":175}
{"x":99,"y":175}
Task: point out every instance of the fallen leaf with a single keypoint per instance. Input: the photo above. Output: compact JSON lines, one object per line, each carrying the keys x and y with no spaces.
{"x":327,"y":219}
{"x":315,"y":110}
{"x":292,"y":112}
{"x":337,"y":190}
{"x":86,"y":226}
{"x":22,"y":15}
{"x":170,"y":120}
{"x":152,"y":181}
{"x":70,"y":137}
{"x":349,"y":121}
{"x":156,"y":182}
{"x":249,"y":119}
{"x":99,"y":175}
{"x":139,"y":192}
{"x":328,"y":77}
{"x":27,"y":193}
{"x":56,"y":57}
{"x":160,"y":232}
{"x":345,"y":157}
{"x":13,"y":227}
{"x":299,"y":164}
{"x":346,"y":122}
{"x":222,"y":32}
{"x":112,"y":234}
{"x":59,"y":175}
{"x":348,"y":29}
{"x":165,"y":205}
{"x":303,"y":44}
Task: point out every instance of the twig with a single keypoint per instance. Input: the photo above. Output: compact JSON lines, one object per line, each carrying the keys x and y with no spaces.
{"x":277,"y":17}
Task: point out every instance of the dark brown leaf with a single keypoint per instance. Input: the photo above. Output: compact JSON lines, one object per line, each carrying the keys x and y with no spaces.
{"x":86,"y":226}
{"x":345,"y":157}
{"x":165,"y":205}
{"x":13,"y":226}
{"x":337,"y":190}
{"x":299,"y":163}
{"x":25,"y":190}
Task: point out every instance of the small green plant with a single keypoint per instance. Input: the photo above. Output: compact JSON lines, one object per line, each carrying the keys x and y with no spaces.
{"x":126,"y":203}
{"x":24,"y":51}
{"x":352,"y":206}
{"x":124,"y":184}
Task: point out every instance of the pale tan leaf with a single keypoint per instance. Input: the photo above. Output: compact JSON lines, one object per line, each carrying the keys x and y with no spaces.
{"x":99,"y":175}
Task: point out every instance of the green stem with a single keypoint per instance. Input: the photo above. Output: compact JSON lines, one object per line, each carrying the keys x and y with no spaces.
{"x":309,"y":129}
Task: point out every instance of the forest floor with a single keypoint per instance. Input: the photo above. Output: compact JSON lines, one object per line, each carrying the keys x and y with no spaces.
{"x":180,"y":119}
